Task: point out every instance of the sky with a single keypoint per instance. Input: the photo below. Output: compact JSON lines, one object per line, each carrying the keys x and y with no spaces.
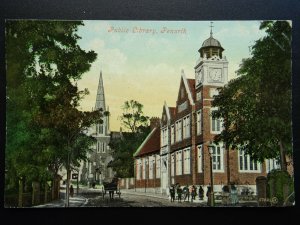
{"x":142,"y":60}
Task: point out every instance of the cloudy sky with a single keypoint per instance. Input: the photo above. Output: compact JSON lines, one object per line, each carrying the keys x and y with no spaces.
{"x":141,"y":61}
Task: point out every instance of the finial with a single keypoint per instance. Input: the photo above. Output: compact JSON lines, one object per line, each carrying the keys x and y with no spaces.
{"x":211,"y":26}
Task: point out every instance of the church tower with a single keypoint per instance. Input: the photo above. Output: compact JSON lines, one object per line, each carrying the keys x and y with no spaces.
{"x":96,"y":169}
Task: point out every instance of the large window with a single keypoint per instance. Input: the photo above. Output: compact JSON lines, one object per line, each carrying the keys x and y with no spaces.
{"x":218,"y":158}
{"x":172,"y":134}
{"x":157,"y":166}
{"x":186,"y":127}
{"x":151,"y":166}
{"x":199,"y":122}
{"x":272,"y":164}
{"x":172,"y":164}
{"x":164,"y":136}
{"x":101,"y":128}
{"x":98,"y":147}
{"x":187,"y":161}
{"x":178,"y":131}
{"x":179,"y":162}
{"x":246,"y":164}
{"x":138,"y":169}
{"x":216,"y":123}
{"x":199,"y":161}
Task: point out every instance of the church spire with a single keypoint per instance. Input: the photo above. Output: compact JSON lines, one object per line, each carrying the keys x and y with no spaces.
{"x":100,"y":99}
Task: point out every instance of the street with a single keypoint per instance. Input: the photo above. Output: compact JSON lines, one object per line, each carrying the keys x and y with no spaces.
{"x":133,"y":200}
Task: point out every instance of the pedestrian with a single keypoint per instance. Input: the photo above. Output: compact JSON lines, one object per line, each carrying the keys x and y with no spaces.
{"x":233,"y":195}
{"x":201,"y":193}
{"x":186,"y":193}
{"x":179,"y":193}
{"x":194,"y":193}
{"x":208,"y":195}
{"x":172,"y":193}
{"x":71,"y":191}
{"x":225,"y":195}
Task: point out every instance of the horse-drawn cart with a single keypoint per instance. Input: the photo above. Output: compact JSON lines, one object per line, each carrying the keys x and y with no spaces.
{"x":111,"y":188}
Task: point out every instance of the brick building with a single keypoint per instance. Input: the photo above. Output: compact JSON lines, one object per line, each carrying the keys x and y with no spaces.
{"x":177,"y":151}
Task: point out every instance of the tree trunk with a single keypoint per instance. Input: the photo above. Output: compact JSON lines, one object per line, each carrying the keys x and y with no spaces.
{"x":282,"y":157}
{"x":20,"y":202}
{"x":68,"y":187}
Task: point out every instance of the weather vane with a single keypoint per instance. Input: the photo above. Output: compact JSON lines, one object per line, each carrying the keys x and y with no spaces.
{"x":211,"y":26}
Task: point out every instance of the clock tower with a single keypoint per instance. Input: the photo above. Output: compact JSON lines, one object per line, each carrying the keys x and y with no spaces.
{"x":212,"y":67}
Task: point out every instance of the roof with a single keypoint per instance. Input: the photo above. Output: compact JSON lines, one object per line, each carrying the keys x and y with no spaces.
{"x":191,"y":83}
{"x":150,"y":145}
{"x":211,"y":42}
{"x":172,"y":111}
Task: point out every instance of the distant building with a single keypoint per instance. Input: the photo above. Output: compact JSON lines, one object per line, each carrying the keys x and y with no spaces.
{"x":177,"y":151}
{"x":96,"y":168}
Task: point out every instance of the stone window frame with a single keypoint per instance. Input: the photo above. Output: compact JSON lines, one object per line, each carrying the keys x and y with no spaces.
{"x":246,"y":157}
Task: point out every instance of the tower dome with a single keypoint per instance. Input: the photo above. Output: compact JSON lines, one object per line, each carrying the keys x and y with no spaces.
{"x":211,"y":47}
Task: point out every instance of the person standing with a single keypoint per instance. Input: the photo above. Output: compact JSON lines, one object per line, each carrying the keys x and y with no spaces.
{"x":179,"y":193}
{"x":208,"y":195}
{"x":194,"y":193}
{"x":201,"y":193}
{"x":71,"y":191}
{"x":233,"y":195}
{"x":172,"y":193}
{"x":186,"y":193}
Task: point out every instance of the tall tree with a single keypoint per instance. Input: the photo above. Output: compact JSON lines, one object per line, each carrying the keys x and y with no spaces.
{"x":133,"y":117}
{"x":43,"y":62}
{"x":256,"y":106}
{"x":123,"y":147}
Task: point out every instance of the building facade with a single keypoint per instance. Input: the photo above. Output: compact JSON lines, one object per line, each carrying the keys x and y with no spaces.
{"x":187,"y":132}
{"x":96,"y":169}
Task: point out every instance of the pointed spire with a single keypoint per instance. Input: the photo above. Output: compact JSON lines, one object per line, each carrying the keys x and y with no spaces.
{"x":100,"y":99}
{"x":211,"y":26}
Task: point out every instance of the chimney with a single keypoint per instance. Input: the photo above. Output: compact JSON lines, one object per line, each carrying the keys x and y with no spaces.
{"x":154,"y":122}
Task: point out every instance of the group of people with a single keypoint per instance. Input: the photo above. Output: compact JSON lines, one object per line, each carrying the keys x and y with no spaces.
{"x":185,"y":193}
{"x":230,"y":194}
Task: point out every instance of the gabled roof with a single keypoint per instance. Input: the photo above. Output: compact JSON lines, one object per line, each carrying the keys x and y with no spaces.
{"x":187,"y":88}
{"x":191,"y":83}
{"x":150,"y":145}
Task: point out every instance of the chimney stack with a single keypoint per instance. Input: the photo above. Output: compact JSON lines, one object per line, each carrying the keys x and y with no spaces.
{"x":154,"y":122}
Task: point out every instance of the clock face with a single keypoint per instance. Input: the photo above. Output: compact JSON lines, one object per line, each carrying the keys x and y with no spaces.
{"x":215,"y":75}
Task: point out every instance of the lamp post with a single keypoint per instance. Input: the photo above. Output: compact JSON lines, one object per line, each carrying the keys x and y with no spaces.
{"x":212,"y":198}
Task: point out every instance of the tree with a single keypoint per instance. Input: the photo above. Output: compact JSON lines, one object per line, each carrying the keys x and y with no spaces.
{"x":123,"y":147}
{"x":133,"y":117}
{"x":256,"y":106}
{"x":43,"y":62}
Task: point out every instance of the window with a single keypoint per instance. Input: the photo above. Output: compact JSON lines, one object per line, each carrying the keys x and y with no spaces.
{"x":187,"y":161}
{"x":144,"y":168}
{"x":216,"y":124}
{"x":179,"y":163}
{"x":272,"y":164}
{"x":178,"y":131}
{"x":164,"y":136}
{"x":172,"y":164}
{"x":98,"y":147}
{"x":246,"y":164}
{"x":198,"y":96}
{"x":157,"y":166}
{"x":172,"y":134}
{"x":199,"y":122}
{"x":199,"y":154}
{"x":138,"y":169}
{"x":218,"y":159}
{"x":186,"y":127}
{"x":151,"y":165}
{"x":213,"y":92}
{"x":103,"y":146}
{"x":101,"y":128}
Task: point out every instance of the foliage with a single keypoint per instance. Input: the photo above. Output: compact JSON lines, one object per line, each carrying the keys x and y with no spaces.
{"x":277,"y":182}
{"x":43,"y":62}
{"x":256,"y":106}
{"x":133,"y":117}
{"x":124,"y":146}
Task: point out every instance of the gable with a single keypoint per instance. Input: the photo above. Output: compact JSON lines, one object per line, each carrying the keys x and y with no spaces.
{"x":185,"y":95}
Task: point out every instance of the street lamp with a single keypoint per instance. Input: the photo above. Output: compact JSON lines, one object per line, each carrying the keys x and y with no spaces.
{"x":212,"y":198}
